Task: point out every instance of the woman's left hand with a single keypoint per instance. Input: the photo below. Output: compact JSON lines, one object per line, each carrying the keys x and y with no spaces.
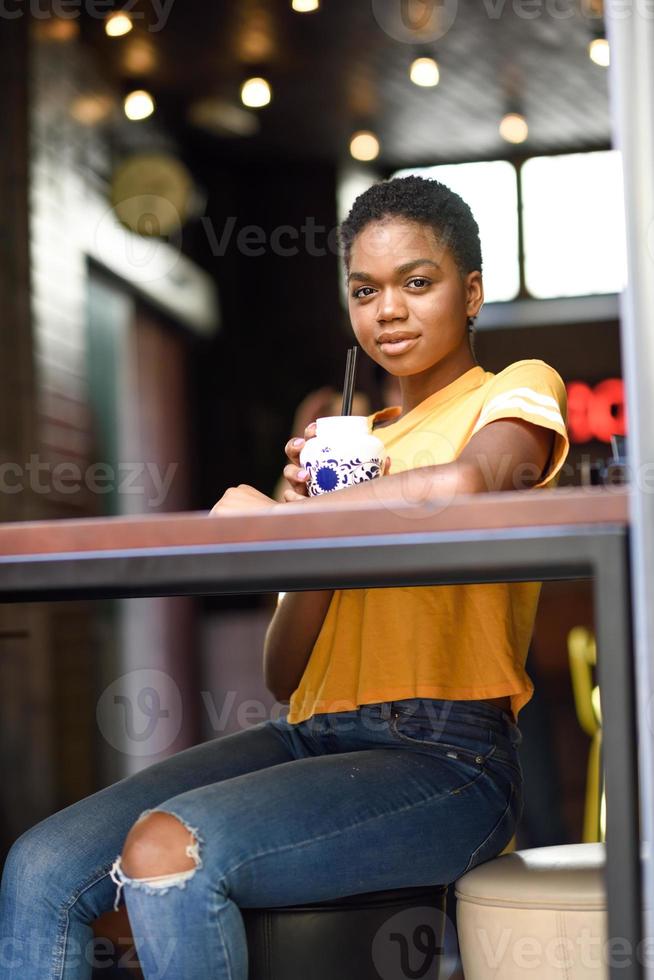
{"x":242,"y":498}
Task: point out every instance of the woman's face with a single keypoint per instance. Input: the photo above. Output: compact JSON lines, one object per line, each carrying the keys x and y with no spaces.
{"x":403,"y":283}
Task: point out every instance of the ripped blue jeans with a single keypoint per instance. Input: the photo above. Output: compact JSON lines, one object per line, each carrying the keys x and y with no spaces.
{"x":392,"y":795}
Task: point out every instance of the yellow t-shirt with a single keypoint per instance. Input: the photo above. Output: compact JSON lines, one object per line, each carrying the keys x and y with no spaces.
{"x":456,"y":642}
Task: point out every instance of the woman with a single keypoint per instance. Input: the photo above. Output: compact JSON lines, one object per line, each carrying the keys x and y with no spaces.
{"x":397,"y":764}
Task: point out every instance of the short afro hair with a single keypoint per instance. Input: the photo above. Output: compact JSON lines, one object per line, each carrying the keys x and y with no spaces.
{"x":418,"y":199}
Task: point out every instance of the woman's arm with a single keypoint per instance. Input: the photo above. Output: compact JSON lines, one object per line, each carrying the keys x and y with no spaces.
{"x":290,"y":637}
{"x":507,"y":454}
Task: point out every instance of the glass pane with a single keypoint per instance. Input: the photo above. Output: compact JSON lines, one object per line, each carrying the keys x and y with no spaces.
{"x":573,"y":220}
{"x":491,"y":190}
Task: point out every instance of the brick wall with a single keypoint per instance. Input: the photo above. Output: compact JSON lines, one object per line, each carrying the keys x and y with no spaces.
{"x":70,"y":166}
{"x":93,"y":643}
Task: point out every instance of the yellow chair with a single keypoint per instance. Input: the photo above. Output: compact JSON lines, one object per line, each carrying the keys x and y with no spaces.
{"x":582,"y":652}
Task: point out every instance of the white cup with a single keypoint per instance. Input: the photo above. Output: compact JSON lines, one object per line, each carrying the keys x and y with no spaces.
{"x":342,"y":453}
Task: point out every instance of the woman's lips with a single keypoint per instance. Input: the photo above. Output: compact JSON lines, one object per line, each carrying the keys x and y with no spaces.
{"x":398,"y":347}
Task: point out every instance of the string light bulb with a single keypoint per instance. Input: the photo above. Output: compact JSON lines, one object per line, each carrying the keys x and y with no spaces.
{"x":118,"y":24}
{"x":90,"y":109}
{"x":364,"y":146}
{"x":599,"y":52}
{"x":138,"y":105}
{"x":424,"y":72}
{"x":514,"y":128}
{"x":305,"y":6}
{"x":255,"y":93}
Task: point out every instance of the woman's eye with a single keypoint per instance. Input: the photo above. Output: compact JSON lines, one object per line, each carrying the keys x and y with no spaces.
{"x":419,"y":281}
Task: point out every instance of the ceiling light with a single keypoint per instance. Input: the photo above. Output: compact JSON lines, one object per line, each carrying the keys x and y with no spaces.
{"x":305,"y":6}
{"x":138,"y":105}
{"x":255,"y":93}
{"x":599,"y":52}
{"x":513,"y":128}
{"x":222,"y":117}
{"x":424,"y":72}
{"x":56,"y":29}
{"x":256,"y":39}
{"x":89,"y":110}
{"x":138,"y":57}
{"x":364,"y":146}
{"x":118,"y":24}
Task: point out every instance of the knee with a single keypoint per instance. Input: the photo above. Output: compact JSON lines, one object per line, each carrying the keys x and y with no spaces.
{"x":158,"y":844}
{"x":34,"y":857}
{"x":16,"y":866}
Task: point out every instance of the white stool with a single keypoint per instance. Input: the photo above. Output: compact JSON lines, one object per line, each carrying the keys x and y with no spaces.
{"x":538,"y":913}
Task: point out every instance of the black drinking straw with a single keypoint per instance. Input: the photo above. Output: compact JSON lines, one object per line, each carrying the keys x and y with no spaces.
{"x":348,"y":384}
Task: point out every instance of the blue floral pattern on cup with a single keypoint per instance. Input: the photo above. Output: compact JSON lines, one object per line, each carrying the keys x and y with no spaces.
{"x":330,"y":474}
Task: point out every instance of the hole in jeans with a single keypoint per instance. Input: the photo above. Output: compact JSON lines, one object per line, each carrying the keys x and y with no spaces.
{"x":159,"y":884}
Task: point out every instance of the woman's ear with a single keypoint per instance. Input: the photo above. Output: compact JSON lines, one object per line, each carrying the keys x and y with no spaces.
{"x":474,"y":293}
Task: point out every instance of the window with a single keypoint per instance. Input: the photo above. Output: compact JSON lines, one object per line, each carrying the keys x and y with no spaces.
{"x":573,"y":220}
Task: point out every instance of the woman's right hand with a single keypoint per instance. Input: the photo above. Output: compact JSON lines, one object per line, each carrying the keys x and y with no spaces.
{"x":294,"y":475}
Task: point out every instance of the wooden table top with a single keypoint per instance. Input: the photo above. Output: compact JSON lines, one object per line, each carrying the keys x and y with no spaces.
{"x":561,"y":506}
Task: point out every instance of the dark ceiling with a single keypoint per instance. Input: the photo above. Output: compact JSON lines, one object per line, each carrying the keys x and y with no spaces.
{"x":339,"y":69}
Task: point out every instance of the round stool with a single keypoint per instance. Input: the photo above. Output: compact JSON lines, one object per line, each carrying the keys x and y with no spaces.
{"x":390,"y":935}
{"x":539,"y":913}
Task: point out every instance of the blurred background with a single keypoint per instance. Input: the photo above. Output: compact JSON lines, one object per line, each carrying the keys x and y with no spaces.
{"x":172,"y":173}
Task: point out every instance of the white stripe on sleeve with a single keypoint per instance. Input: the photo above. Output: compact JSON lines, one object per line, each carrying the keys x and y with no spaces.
{"x":511,"y":401}
{"x":545,"y":400}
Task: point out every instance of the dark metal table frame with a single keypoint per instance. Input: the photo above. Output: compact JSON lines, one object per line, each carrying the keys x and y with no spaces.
{"x":598,"y":551}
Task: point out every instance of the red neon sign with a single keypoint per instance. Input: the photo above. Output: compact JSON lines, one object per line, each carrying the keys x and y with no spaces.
{"x":598,"y":412}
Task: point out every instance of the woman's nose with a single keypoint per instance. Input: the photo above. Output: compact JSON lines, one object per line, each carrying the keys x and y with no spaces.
{"x":391,"y":307}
